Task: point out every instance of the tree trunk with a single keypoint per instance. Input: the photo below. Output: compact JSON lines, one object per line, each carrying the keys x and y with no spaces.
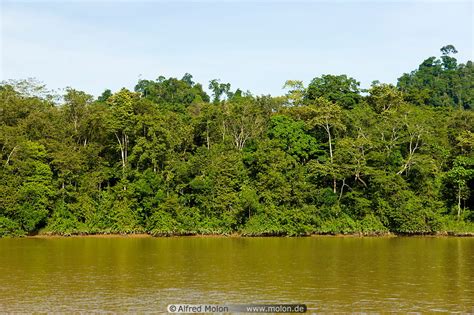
{"x":208,"y":144}
{"x":123,"y":144}
{"x":10,"y":155}
{"x":328,"y":130}
{"x":459,"y":201}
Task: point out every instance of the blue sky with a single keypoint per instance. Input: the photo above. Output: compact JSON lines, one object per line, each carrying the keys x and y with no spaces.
{"x":255,"y":46}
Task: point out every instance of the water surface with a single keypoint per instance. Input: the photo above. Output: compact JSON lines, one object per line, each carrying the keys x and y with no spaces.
{"x":329,"y":274}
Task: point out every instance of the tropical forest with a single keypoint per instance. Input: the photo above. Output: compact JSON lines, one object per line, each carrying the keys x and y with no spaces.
{"x":175,"y":157}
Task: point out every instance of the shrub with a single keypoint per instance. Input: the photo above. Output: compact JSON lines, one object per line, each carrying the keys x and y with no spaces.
{"x":9,"y":227}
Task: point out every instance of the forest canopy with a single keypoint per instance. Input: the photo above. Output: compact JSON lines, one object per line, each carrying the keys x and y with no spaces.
{"x":169,"y":159}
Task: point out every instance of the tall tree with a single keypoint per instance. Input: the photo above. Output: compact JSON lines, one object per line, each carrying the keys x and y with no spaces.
{"x":339,"y":89}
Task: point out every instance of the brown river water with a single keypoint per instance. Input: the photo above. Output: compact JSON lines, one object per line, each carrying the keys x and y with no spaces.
{"x":329,"y":274}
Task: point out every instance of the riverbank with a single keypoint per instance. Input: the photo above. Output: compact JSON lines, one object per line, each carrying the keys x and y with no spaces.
{"x":329,"y":228}
{"x":238,"y":235}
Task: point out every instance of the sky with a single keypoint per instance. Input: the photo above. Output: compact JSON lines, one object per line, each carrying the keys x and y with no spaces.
{"x":254,"y":45}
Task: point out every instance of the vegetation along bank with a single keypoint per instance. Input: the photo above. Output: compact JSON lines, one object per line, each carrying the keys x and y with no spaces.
{"x":168,"y":159}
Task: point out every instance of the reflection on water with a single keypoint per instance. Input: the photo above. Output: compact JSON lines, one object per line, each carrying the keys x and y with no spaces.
{"x":327,"y":273}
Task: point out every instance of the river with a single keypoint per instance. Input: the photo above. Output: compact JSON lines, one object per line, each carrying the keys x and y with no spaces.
{"x":329,"y":274}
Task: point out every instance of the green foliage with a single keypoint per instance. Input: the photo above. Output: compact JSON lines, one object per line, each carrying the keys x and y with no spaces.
{"x":63,"y":222}
{"x":454,"y":226}
{"x":339,"y":89}
{"x":280,"y":221}
{"x":162,"y":223}
{"x":384,"y":97}
{"x":166,"y":160}
{"x":172,"y":93}
{"x":296,"y":92}
{"x":9,"y":227}
{"x":369,"y":225}
{"x":219,"y":89}
{"x":291,"y":137}
{"x":342,"y":225}
{"x":440,"y":82}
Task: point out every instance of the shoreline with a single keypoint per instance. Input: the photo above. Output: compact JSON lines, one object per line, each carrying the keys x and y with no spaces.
{"x":237,"y":235}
